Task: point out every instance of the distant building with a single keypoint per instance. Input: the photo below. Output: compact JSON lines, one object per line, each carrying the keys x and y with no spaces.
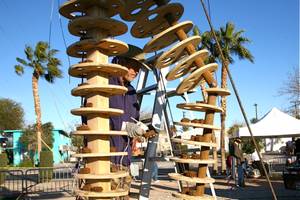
{"x":15,"y":150}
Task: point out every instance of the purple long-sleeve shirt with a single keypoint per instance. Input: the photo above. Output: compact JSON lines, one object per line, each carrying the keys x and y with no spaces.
{"x":128,"y":103}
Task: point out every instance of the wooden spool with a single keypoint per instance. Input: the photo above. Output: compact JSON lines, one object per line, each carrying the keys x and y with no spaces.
{"x":99,"y":133}
{"x":177,"y":51}
{"x":180,"y":177}
{"x":108,"y":47}
{"x":193,"y":161}
{"x":194,"y":79}
{"x":134,"y":10}
{"x":154,"y":22}
{"x":167,"y":37}
{"x":183,"y":141}
{"x":113,"y":193}
{"x":218,"y":91}
{"x":119,"y":174}
{"x":95,"y":155}
{"x":106,"y":90}
{"x":197,"y":125}
{"x":188,"y":197}
{"x":203,"y":107}
{"x":186,"y":65}
{"x":80,"y":25}
{"x":83,"y":69}
{"x":71,"y":9}
{"x":104,"y":112}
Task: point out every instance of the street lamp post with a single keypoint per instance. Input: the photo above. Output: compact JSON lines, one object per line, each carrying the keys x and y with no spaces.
{"x":255,"y":105}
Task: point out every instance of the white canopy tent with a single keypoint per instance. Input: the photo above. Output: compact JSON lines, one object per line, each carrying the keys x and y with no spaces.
{"x":274,"y":124}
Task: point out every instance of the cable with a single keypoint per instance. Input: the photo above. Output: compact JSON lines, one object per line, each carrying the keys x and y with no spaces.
{"x":50,"y":25}
{"x":238,"y":99}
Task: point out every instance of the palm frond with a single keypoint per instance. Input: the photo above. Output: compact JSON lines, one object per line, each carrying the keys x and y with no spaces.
{"x":19,"y":69}
{"x":22,"y":61}
{"x":29,"y":53}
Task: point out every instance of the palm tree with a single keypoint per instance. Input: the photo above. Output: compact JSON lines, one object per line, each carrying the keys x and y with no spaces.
{"x":232,"y":44}
{"x":45,"y":65}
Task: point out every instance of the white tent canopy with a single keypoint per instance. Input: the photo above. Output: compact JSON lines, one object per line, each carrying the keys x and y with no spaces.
{"x":274,"y":124}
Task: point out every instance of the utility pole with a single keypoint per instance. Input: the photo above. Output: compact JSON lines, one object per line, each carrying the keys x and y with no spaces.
{"x":255,"y":105}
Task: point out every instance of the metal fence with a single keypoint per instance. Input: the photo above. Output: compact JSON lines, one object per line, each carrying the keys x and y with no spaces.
{"x":36,"y":180}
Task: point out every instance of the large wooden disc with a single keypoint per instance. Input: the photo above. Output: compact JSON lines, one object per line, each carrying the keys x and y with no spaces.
{"x":189,"y":197}
{"x":186,"y":65}
{"x":180,"y":177}
{"x":197,"y":125}
{"x":106,"y":90}
{"x":135,"y":9}
{"x":106,"y":112}
{"x":218,"y":91}
{"x":108,"y":47}
{"x":83,"y":69}
{"x":111,"y":27}
{"x":93,"y":132}
{"x":94,"y":155}
{"x":167,"y":37}
{"x":155,"y":22}
{"x":183,"y":141}
{"x":193,"y":161}
{"x":113,"y":193}
{"x":73,"y":8}
{"x":177,"y":51}
{"x":194,"y":79}
{"x":118,"y":174}
{"x":203,"y":107}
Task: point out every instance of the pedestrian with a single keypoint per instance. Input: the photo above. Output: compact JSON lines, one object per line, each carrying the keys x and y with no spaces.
{"x":154,"y":174}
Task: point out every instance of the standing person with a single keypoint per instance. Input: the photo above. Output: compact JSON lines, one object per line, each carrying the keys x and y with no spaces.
{"x":128,"y":103}
{"x":239,"y":158}
{"x":154,"y":174}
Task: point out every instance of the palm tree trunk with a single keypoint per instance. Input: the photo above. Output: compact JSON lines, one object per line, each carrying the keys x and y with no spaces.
{"x":223,"y":117}
{"x":37,"y":108}
{"x":203,"y":91}
{"x":215,"y":154}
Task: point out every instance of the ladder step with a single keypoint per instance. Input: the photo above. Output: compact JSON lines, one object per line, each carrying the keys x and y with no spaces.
{"x":203,"y":107}
{"x":113,"y":193}
{"x":118,"y":174}
{"x":188,"y":197}
{"x":218,"y":91}
{"x":180,"y":177}
{"x":183,"y":141}
{"x":194,"y":161}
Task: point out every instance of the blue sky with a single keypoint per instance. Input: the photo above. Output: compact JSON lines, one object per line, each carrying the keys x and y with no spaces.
{"x":272,"y":26}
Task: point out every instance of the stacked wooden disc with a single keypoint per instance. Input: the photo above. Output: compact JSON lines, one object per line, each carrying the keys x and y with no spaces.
{"x":158,"y":19}
{"x":91,"y":21}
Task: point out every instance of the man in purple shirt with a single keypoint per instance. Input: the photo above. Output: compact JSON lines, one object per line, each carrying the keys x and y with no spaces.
{"x":128,"y":103}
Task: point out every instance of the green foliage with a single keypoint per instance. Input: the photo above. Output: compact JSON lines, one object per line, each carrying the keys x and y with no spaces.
{"x":248,"y":146}
{"x":29,"y":140}
{"x":46,"y":160}
{"x":3,"y":163}
{"x":27,"y":162}
{"x":233,"y":129}
{"x":11,"y":115}
{"x":41,"y":60}
{"x":77,"y":141}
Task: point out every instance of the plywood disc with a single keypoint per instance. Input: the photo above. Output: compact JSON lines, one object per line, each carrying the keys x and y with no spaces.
{"x":93,"y":132}
{"x":118,"y":174}
{"x":218,"y":91}
{"x":97,"y":111}
{"x":155,"y":22}
{"x":135,"y":9}
{"x":180,"y":177}
{"x":83,"y":69}
{"x":177,"y":51}
{"x":197,"y":125}
{"x":113,"y":193}
{"x":72,"y":8}
{"x":108,"y":47}
{"x":186,"y":65}
{"x":167,"y":37}
{"x":80,"y":25}
{"x":94,"y":155}
{"x":195,"y":78}
{"x":107,"y":90}
{"x":194,"y":161}
{"x":183,"y":141}
{"x":203,"y":107}
{"x":188,"y":197}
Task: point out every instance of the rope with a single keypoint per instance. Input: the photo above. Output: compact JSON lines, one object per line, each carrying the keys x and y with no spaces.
{"x":50,"y":25}
{"x":238,"y":99}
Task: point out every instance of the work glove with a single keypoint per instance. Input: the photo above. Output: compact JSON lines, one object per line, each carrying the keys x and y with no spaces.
{"x":135,"y":129}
